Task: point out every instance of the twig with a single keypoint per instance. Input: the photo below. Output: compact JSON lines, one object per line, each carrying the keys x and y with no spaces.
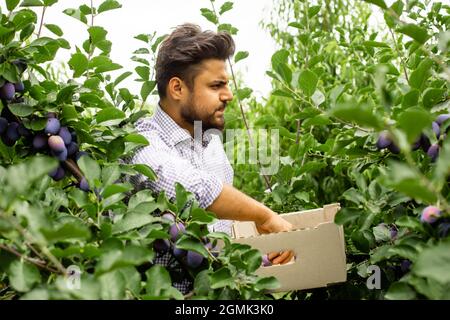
{"x":297,"y":138}
{"x":36,"y":262}
{"x":42,"y":21}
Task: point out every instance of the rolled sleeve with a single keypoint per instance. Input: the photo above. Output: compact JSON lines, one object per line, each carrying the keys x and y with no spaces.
{"x":170,"y":169}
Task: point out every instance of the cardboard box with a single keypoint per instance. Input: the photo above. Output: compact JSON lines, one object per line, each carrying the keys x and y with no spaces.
{"x":318,"y":243}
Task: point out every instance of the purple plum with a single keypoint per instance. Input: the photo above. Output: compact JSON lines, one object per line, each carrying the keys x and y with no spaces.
{"x":383,"y":140}
{"x":178,"y":253}
{"x":58,"y":173}
{"x":194,"y":259}
{"x":24,"y":132}
{"x":7,"y":91}
{"x":176,"y":230}
{"x":53,"y":126}
{"x":405,"y":266}
{"x":65,"y":135}
{"x":61,"y":156}
{"x":72,"y":148}
{"x":393,"y":148}
{"x":265,"y":261}
{"x":430,"y":214}
{"x":7,"y":141}
{"x":161,"y":245}
{"x":12,"y":131}
{"x":56,"y":143}
{"x":443,"y":229}
{"x":3,"y":124}
{"x":84,"y":185}
{"x":436,"y":129}
{"x":19,"y":87}
{"x":442,"y":118}
{"x":433,"y":152}
{"x":40,"y":141}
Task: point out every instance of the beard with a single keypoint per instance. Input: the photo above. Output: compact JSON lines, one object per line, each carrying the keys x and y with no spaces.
{"x":190,"y":113}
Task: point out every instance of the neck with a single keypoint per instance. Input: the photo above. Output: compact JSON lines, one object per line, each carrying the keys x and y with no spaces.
{"x":176,"y":116}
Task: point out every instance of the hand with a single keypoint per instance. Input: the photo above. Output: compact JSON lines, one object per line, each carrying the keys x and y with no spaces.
{"x":274,"y":223}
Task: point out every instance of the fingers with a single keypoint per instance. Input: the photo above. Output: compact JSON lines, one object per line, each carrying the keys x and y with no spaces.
{"x":283,"y":257}
{"x":273,"y":255}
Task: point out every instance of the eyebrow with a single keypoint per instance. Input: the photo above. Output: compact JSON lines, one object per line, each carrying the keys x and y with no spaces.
{"x":221,"y":81}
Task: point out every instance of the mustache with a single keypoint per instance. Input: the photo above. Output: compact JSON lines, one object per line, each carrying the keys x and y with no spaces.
{"x":221,"y":108}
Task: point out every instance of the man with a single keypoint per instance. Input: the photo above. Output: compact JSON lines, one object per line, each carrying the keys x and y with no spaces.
{"x":192,"y":84}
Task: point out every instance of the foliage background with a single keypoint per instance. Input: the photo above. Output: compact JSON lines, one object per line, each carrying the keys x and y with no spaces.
{"x":337,"y":83}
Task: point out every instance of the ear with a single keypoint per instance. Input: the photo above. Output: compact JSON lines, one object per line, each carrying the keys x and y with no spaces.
{"x":176,"y":88}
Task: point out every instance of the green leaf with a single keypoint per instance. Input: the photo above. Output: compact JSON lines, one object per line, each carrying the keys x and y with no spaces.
{"x":147,"y":88}
{"x":23,"y":18}
{"x":421,"y":74}
{"x":122,"y":77}
{"x":414,"y":31}
{"x":312,"y":11}
{"x":116,"y":188}
{"x":55,"y":29}
{"x":268,"y":283}
{"x":413,"y":121}
{"x":23,"y":276}
{"x":188,"y":243}
{"x":240,"y":56}
{"x":434,"y":263}
{"x":360,"y":114}
{"x":379,"y":3}
{"x":131,"y":255}
{"x":407,"y":180}
{"x":209,"y":15}
{"x":400,"y":291}
{"x":307,"y":82}
{"x":97,"y":34}
{"x":221,"y":278}
{"x":109,"y":5}
{"x":159,"y":284}
{"x":227,"y":6}
{"x":77,"y":14}
{"x":432,"y":96}
{"x":244,"y":93}
{"x":136,"y":138}
{"x":90,"y":169}
{"x":67,"y":231}
{"x":32,"y":3}
{"x":49,"y":3}
{"x":133,"y":220}
{"x":375,"y":44}
{"x":279,"y":64}
{"x":79,"y":64}
{"x":12,"y":4}
{"x":143,"y":72}
{"x":109,"y":114}
{"x":21,"y":109}
{"x":145,"y":170}
{"x":411,"y":98}
{"x":113,"y":285}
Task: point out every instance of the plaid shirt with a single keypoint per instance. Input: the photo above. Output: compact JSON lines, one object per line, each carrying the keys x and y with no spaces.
{"x":200,"y":165}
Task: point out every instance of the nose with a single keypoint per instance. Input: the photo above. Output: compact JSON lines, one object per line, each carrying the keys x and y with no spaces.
{"x":227,"y":95}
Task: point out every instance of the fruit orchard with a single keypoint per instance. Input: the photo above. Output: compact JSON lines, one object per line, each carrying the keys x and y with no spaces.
{"x":363,"y":112}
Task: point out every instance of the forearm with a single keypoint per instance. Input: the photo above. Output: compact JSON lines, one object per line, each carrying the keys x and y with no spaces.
{"x":232,"y":204}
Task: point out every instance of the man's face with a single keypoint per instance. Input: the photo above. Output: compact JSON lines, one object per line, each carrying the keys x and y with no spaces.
{"x":209,"y":97}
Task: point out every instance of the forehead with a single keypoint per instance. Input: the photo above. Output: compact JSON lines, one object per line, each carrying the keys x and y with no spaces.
{"x":213,"y":69}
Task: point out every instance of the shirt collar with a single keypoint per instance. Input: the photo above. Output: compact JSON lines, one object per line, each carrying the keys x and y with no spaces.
{"x":176,"y":133}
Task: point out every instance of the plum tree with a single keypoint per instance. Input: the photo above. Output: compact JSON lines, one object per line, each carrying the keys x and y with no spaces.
{"x":12,"y":131}
{"x":178,"y":253}
{"x":383,"y":140}
{"x":168,"y":216}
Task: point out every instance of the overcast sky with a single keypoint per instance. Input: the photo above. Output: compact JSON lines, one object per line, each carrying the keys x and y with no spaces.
{"x":147,"y":16}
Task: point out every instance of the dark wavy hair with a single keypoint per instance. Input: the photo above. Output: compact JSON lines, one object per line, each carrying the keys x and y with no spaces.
{"x":184,"y":49}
